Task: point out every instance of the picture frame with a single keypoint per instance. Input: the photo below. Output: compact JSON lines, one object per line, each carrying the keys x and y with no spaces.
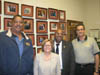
{"x":0,"y":7}
{"x":7,"y":23}
{"x":27,"y":10}
{"x":53,"y":13}
{"x":41,"y":13}
{"x":0,"y":22}
{"x":34,"y":52}
{"x":40,"y":39}
{"x":52,"y":36}
{"x":62,"y":15}
{"x":42,"y":26}
{"x":31,"y":36}
{"x":53,"y":26}
{"x":63,"y":26}
{"x":11,"y":8}
{"x":28,"y":25}
{"x":39,"y":50}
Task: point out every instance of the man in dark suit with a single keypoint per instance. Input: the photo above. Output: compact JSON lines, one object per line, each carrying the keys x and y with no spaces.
{"x":66,"y":54}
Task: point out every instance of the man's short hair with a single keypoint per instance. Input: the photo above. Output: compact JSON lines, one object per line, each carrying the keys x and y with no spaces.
{"x":80,"y":25}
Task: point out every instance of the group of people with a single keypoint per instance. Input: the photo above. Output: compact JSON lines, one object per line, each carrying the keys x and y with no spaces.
{"x":58,"y":57}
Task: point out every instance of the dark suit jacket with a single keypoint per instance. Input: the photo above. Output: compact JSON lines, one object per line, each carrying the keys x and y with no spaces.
{"x":68,"y":58}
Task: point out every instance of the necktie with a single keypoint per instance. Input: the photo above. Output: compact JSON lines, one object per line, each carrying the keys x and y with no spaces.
{"x":57,"y":48}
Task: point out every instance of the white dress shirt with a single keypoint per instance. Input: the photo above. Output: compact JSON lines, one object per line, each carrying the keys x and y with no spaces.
{"x":60,"y":52}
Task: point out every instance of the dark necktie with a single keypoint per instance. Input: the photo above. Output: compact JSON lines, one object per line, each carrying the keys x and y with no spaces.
{"x":57,"y":48}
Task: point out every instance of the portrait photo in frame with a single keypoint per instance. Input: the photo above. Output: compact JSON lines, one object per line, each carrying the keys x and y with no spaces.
{"x":53,"y":26}
{"x":11,"y":8}
{"x":42,"y":27}
{"x":28,"y":25}
{"x":62,"y":15}
{"x":62,"y":25}
{"x":52,"y":36}
{"x":53,"y":13}
{"x":39,"y":50}
{"x":41,"y":38}
{"x":31,"y":36}
{"x":0,"y":7}
{"x":7,"y":23}
{"x":0,"y":22}
{"x":34,"y":52}
{"x":41,"y":13}
{"x":27,"y":10}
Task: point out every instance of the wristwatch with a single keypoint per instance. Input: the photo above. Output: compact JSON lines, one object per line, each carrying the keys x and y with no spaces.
{"x":96,"y":71}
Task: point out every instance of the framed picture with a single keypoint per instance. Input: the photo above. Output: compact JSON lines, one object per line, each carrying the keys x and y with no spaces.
{"x":52,"y":36}
{"x":28,"y":25}
{"x":27,"y":10}
{"x":53,"y":26}
{"x":41,"y":38}
{"x":34,"y":52}
{"x":7,"y":23}
{"x":62,"y":25}
{"x":39,"y":50}
{"x":31,"y":36}
{"x":11,"y":8}
{"x":41,"y":13}
{"x":0,"y":22}
{"x":62,"y":15}
{"x":0,"y":7}
{"x":42,"y":27}
{"x":53,"y":13}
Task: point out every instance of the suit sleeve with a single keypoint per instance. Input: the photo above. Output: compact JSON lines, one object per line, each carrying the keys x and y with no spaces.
{"x":72,"y":60}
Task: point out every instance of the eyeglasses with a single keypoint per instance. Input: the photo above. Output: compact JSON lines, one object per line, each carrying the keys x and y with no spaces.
{"x":80,"y":29}
{"x":47,"y":45}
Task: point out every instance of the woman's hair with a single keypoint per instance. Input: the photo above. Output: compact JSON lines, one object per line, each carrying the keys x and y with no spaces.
{"x":45,"y":41}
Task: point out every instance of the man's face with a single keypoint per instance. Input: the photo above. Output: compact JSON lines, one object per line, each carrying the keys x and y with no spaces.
{"x":59,"y":36}
{"x":80,"y":31}
{"x":17,"y":24}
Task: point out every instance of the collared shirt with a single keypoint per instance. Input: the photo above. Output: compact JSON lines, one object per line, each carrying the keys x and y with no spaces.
{"x":20,"y":45}
{"x":85,"y":50}
{"x":60,"y":52}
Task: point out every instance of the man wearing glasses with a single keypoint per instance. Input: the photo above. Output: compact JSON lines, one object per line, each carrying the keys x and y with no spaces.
{"x":86,"y":53}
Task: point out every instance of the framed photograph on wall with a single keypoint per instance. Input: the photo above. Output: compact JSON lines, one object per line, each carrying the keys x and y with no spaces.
{"x":31,"y":36}
{"x":28,"y":25}
{"x":39,"y":50}
{"x":42,"y":27}
{"x":53,"y":26}
{"x":41,"y":38}
{"x":7,"y":23}
{"x":34,"y":52}
{"x":11,"y":8}
{"x":41,"y":13}
{"x":53,"y":13}
{"x":0,"y":22}
{"x":62,"y":25}
{"x":0,"y":7}
{"x":27,"y":10}
{"x":52,"y":36}
{"x":62,"y":15}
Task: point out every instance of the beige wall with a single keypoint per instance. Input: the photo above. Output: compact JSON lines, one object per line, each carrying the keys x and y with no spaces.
{"x":92,"y":17}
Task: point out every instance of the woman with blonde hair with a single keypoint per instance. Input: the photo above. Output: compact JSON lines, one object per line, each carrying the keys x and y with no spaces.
{"x":47,"y":63}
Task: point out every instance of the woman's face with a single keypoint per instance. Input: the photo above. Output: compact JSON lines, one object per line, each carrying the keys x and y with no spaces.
{"x":47,"y":47}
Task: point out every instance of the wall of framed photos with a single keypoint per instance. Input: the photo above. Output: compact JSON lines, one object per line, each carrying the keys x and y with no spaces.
{"x":39,"y":22}
{"x":42,"y":17}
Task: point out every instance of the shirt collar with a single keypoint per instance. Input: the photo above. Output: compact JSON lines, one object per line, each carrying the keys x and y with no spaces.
{"x":84,"y":38}
{"x":10,"y":34}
